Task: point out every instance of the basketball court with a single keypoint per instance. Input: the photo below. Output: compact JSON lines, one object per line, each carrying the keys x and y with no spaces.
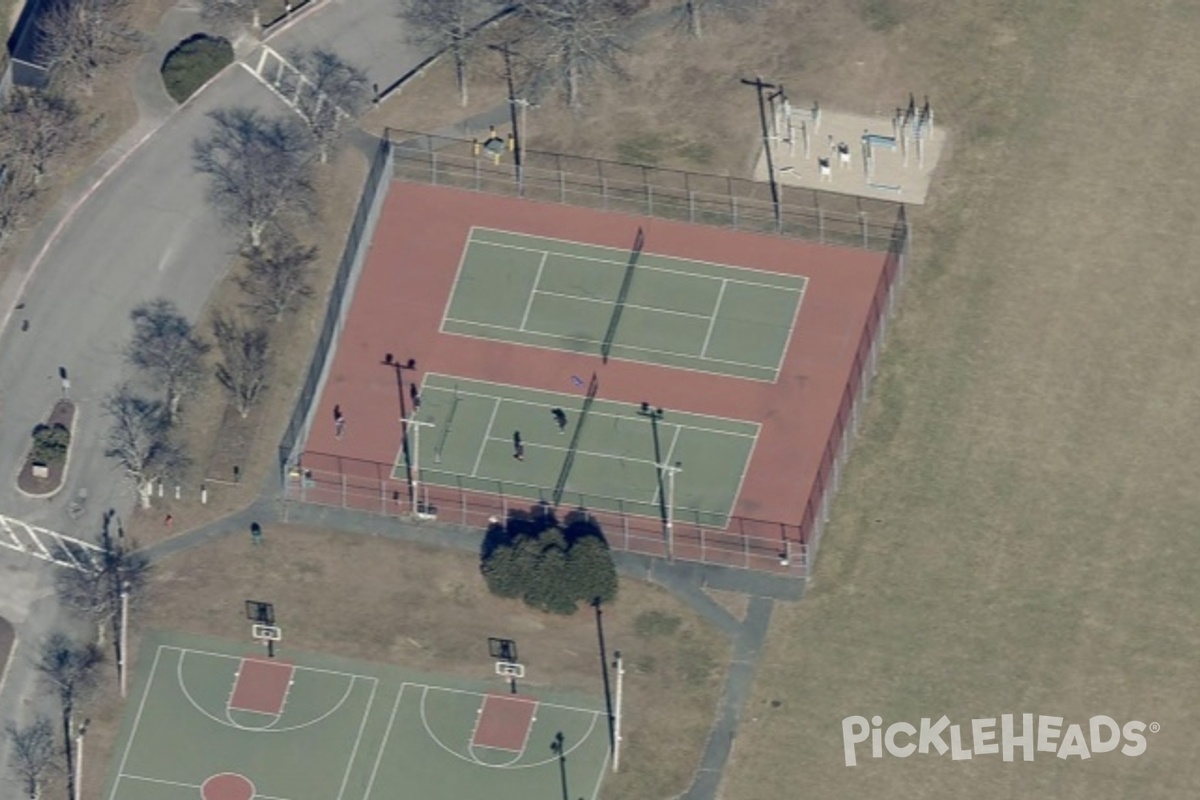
{"x":212,"y":720}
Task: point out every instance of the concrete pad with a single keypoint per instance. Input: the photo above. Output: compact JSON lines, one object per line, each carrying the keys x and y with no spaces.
{"x":900,"y":172}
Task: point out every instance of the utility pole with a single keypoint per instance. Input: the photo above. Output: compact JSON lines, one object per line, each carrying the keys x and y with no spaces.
{"x":761,"y":86}
{"x":504,"y":50}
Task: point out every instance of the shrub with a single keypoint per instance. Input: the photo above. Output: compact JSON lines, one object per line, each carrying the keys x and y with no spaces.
{"x":192,"y":62}
{"x":50,"y":443}
{"x":551,"y":567}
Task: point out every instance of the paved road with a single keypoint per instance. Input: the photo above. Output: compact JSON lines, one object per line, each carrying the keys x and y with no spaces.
{"x":134,"y":228}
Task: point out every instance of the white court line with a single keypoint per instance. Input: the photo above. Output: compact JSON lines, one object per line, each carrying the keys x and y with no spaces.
{"x":357,"y":741}
{"x":667,"y":462}
{"x":625,"y":252}
{"x":295,"y":667}
{"x":137,"y":720}
{"x":462,"y":257}
{"x":791,"y":332}
{"x":712,"y":320}
{"x":560,"y":349}
{"x":640,"y":348}
{"x":648,"y":268}
{"x":465,"y":393}
{"x":229,"y":722}
{"x":487,"y":435}
{"x":537,"y":280}
{"x":485,"y":694}
{"x":634,"y":306}
{"x":164,"y":782}
{"x":552,"y":448}
{"x":383,"y":745}
{"x":745,"y":468}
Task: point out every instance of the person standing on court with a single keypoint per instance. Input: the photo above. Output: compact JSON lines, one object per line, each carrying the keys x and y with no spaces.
{"x":560,"y":419}
{"x":339,"y":422}
{"x":518,"y":446}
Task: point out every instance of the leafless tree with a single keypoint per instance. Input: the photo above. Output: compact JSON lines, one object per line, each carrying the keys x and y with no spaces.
{"x":119,"y":569}
{"x":260,"y":169}
{"x":17,"y":191}
{"x":36,"y":127}
{"x":33,"y":754}
{"x":68,"y":668}
{"x":694,"y":11}
{"x":165,"y":345}
{"x":451,"y":26}
{"x":80,"y":38}
{"x":573,"y":41}
{"x":226,"y":16}
{"x":277,"y":276}
{"x":245,"y":359}
{"x":140,"y":440}
{"x":334,"y":93}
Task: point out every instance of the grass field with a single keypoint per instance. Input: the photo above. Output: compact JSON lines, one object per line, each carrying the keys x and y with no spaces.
{"x":1012,"y":532}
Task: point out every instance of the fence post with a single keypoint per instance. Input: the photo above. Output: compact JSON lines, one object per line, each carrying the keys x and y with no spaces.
{"x":862,"y":221}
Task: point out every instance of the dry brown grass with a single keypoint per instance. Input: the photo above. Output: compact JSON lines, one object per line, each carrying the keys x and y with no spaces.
{"x":213,"y":447}
{"x":427,"y":608}
{"x":1008,"y":537}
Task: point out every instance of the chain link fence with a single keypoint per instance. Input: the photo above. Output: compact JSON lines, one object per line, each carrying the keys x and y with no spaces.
{"x":693,"y":197}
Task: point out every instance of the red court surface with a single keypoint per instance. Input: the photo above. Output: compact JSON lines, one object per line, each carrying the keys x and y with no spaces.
{"x":504,"y":722}
{"x":805,"y":415}
{"x":261,"y":686}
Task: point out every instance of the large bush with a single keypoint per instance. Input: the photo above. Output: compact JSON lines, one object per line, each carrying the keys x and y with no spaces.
{"x":50,"y":443}
{"x":192,"y":62}
{"x":551,"y":566}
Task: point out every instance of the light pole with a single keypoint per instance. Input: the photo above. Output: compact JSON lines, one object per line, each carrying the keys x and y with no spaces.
{"x":122,"y":666}
{"x":79,"y":759}
{"x":671,"y":470}
{"x":617,"y":717}
{"x":412,"y":427}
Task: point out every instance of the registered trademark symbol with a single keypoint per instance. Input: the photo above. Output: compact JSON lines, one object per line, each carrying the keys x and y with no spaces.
{"x":1155,"y":727}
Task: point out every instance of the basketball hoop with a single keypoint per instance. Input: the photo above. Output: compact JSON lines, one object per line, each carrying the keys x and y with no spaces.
{"x":510,"y":670}
{"x":266,"y":633}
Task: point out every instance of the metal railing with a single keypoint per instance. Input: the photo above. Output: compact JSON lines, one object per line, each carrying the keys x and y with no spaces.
{"x":693,"y":197}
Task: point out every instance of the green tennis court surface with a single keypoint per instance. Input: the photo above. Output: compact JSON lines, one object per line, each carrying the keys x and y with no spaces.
{"x":628,"y":304}
{"x":208,"y":723}
{"x":609,"y":463}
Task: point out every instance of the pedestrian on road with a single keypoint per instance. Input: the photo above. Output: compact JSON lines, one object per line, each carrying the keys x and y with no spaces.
{"x":518,"y":446}
{"x":169,"y":522}
{"x":339,"y":422}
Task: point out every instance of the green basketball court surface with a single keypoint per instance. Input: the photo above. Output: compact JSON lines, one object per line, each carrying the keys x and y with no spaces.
{"x":672,"y":312}
{"x":209,"y":722}
{"x":609,"y":463}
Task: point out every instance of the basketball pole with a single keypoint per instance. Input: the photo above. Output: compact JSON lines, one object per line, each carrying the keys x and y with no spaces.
{"x":617,"y":717}
{"x":124,"y":668}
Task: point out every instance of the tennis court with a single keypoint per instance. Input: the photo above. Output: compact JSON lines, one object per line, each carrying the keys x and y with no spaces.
{"x":214,"y":721}
{"x":628,"y":304}
{"x":606,"y":455}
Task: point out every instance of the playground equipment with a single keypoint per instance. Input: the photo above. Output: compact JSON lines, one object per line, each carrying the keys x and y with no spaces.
{"x":911,"y":129}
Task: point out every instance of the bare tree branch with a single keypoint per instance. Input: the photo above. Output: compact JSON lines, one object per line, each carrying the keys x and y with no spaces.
{"x":573,"y":41}
{"x":166,"y":346}
{"x":33,"y":754}
{"x":694,"y":11}
{"x":68,"y":668}
{"x":260,"y":169}
{"x":139,"y":439}
{"x":452,"y":26}
{"x":336,"y":93}
{"x":278,"y":275}
{"x":36,"y":127}
{"x":80,"y":38}
{"x":17,"y":191}
{"x":245,"y":351}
